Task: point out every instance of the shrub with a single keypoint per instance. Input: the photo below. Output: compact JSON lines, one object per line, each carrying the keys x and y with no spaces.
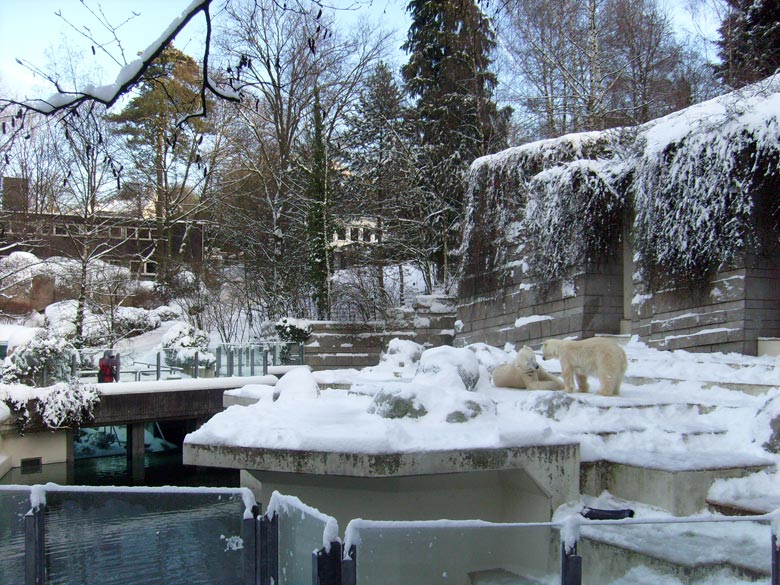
{"x":44,"y":351}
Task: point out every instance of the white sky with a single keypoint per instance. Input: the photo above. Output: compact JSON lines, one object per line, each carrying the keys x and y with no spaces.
{"x":30,"y":28}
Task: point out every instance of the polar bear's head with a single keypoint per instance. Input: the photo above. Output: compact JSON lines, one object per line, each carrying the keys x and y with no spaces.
{"x":550,"y":348}
{"x":526,"y":360}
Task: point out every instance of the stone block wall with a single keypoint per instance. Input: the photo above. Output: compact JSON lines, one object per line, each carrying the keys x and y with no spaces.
{"x":333,"y":344}
{"x":740,"y":305}
{"x":521,"y":312}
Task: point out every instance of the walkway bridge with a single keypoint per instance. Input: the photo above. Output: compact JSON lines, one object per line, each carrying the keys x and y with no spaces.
{"x":130,"y":404}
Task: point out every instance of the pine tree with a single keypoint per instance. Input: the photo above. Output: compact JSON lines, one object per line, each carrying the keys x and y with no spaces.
{"x":449,"y":44}
{"x":749,"y":46}
{"x":320,"y":220}
{"x":163,"y":151}
{"x":377,"y":153}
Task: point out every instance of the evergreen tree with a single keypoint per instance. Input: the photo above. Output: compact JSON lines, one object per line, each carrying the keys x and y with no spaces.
{"x":320,"y":220}
{"x":449,"y":44}
{"x":749,"y":46}
{"x":163,"y":150}
{"x":377,"y":151}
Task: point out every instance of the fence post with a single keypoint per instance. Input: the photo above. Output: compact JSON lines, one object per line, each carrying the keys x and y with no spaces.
{"x":34,"y":547}
{"x":300,"y":351}
{"x":265,"y":361}
{"x":349,"y":567}
{"x":241,"y":362}
{"x":775,"y":560}
{"x":251,"y":548}
{"x":269,"y":550}
{"x":118,"y":368}
{"x":197,"y":366}
{"x":326,"y":565}
{"x":230,"y":362}
{"x":571,"y":565}
{"x":252,"y":362}
{"x":159,"y":365}
{"x":218,"y":365}
{"x":74,"y":368}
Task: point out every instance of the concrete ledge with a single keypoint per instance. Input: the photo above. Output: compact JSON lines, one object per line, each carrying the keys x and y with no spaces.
{"x":680,"y":491}
{"x":615,"y":561}
{"x":379,"y":464}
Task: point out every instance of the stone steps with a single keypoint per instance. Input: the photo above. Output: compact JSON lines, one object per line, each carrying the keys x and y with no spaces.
{"x":672,"y":487}
{"x":696,"y":557}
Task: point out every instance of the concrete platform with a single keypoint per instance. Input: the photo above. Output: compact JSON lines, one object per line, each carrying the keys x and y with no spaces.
{"x":695,"y":558}
{"x":680,"y":491}
{"x":511,"y":484}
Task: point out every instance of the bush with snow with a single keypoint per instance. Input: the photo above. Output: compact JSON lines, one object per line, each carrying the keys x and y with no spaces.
{"x":182,"y":341}
{"x":64,"y":405}
{"x":293,"y":330}
{"x":45,"y":351}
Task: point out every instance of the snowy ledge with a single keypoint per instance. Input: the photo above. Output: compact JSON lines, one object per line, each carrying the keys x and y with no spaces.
{"x":391,"y":464}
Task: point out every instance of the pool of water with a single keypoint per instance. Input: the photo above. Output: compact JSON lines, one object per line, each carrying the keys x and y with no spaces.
{"x":160,"y":469}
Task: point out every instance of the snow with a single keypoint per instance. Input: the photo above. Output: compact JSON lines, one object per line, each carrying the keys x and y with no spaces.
{"x":681,"y":421}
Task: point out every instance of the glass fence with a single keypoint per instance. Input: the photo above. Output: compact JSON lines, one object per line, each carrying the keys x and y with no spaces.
{"x":14,"y":504}
{"x":452,"y":552}
{"x":302,"y":530}
{"x":122,"y":535}
{"x":217,"y":536}
{"x":253,"y":359}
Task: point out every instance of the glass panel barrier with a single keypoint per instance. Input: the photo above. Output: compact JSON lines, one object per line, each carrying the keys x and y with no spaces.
{"x":454,"y":552}
{"x":127,"y":535}
{"x":707,"y":549}
{"x":302,"y":530}
{"x":14,"y":504}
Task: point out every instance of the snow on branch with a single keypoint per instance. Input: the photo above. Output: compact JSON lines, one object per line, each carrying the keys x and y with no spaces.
{"x":132,"y":73}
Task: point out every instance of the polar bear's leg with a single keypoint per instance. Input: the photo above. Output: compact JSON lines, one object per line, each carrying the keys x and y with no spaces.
{"x":582,"y":382}
{"x":568,"y":377}
{"x":610,"y":384}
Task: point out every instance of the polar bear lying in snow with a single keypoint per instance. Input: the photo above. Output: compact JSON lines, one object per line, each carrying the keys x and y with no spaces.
{"x":596,"y":355}
{"x":525,"y":373}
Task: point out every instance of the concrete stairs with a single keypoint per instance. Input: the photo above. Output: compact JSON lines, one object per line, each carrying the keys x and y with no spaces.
{"x":676,"y":484}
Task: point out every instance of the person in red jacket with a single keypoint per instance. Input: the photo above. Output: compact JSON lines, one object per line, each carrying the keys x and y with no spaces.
{"x":107,"y":368}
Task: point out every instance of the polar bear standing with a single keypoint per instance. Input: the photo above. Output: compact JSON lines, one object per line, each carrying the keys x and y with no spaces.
{"x":597,"y":356}
{"x":525,"y":373}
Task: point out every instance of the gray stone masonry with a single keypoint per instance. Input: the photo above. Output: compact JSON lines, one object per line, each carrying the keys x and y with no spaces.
{"x":357,"y":345}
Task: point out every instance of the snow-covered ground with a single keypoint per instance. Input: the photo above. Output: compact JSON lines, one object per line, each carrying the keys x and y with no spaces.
{"x":671,"y":412}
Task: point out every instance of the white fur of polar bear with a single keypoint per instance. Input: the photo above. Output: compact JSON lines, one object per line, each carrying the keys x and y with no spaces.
{"x":525,"y":373}
{"x":596,"y":356}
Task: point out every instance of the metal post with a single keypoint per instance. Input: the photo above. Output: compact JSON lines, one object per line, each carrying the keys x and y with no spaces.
{"x":326,"y":565}
{"x":230,"y":362}
{"x":571,"y":566}
{"x":775,"y":560}
{"x":218,"y":365}
{"x":159,"y":365}
{"x":349,"y":567}
{"x":249,"y":535}
{"x":34,"y":547}
{"x":118,"y":368}
{"x":252,"y":362}
{"x":300,"y":352}
{"x":74,"y":365}
{"x":269,"y":550}
{"x":265,"y":361}
{"x":241,"y":362}
{"x":196,"y":366}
